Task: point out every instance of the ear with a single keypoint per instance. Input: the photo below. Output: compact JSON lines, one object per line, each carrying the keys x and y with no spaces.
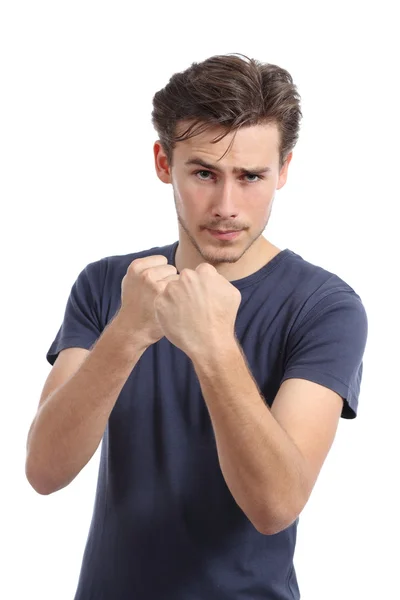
{"x":161,"y":163}
{"x":284,"y":171}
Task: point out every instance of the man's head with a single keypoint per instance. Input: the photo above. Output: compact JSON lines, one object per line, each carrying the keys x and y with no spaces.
{"x":216,"y":117}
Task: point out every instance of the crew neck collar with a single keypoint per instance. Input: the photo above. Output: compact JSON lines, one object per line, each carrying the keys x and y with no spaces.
{"x":270,"y":266}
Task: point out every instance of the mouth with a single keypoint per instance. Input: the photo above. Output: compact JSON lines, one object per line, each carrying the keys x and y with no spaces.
{"x":225,"y":235}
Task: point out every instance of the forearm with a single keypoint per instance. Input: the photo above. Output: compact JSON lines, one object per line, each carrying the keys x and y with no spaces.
{"x":262,"y":466}
{"x":70,"y":424}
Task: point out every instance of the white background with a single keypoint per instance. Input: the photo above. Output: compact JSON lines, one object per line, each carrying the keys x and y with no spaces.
{"x":78,"y":183}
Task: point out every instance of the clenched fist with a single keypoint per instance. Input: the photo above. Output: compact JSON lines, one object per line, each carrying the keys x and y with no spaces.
{"x":144,"y":280}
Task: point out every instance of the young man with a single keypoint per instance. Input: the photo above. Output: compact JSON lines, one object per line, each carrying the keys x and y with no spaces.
{"x":214,"y":370}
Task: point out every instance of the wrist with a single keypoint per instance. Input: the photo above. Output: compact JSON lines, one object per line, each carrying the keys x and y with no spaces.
{"x":130,"y":337}
{"x":214,"y":351}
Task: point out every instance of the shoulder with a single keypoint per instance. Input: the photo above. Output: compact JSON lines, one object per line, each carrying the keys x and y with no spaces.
{"x":115,"y":266}
{"x":318,"y":289}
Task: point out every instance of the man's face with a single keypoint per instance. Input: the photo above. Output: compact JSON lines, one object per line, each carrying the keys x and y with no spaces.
{"x":214,"y":196}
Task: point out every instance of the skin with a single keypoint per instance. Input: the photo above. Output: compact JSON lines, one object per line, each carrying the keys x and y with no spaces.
{"x":270,"y":458}
{"x":224,"y":200}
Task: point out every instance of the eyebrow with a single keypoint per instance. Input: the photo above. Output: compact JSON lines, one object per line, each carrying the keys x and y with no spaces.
{"x":235,"y":170}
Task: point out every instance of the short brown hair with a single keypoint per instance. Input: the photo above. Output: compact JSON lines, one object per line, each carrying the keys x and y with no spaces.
{"x":232,"y":92}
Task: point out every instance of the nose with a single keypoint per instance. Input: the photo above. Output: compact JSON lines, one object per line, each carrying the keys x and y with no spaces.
{"x":225,"y":202}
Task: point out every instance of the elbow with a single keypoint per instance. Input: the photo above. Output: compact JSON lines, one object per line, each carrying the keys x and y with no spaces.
{"x":37,"y":485}
{"x":36,"y":481}
{"x":274,"y":526}
{"x":276,"y":521}
{"x":42,"y":491}
{"x":283,"y":513}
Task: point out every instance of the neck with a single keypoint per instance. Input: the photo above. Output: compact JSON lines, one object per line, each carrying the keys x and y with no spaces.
{"x":248,"y":262}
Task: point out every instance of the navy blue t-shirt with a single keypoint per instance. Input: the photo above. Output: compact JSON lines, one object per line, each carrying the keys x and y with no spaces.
{"x":165,"y":525}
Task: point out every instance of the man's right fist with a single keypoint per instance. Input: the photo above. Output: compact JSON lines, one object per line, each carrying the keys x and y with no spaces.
{"x":145,"y":278}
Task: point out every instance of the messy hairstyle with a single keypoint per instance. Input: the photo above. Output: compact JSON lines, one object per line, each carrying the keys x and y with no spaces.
{"x":230,"y":92}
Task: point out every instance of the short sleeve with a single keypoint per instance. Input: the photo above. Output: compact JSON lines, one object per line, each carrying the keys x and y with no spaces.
{"x":328,"y":345}
{"x":81,"y":326}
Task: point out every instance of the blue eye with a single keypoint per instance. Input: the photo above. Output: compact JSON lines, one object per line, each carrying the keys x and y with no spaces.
{"x":202,"y":171}
{"x":258,"y":177}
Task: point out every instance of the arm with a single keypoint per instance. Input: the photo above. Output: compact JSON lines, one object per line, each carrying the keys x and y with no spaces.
{"x":70,"y":422}
{"x":270,"y":459}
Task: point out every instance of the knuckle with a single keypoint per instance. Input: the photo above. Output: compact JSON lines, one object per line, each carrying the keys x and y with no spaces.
{"x":133,"y":267}
{"x":205,"y":268}
{"x":146,"y":275}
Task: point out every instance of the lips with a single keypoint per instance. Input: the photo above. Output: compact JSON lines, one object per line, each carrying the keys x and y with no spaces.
{"x":224,"y":235}
{"x":225,"y":230}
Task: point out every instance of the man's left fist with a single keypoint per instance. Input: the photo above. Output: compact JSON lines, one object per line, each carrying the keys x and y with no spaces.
{"x":197,"y":309}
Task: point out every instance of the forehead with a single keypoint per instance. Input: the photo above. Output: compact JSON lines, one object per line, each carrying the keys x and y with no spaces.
{"x":256,"y":144}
